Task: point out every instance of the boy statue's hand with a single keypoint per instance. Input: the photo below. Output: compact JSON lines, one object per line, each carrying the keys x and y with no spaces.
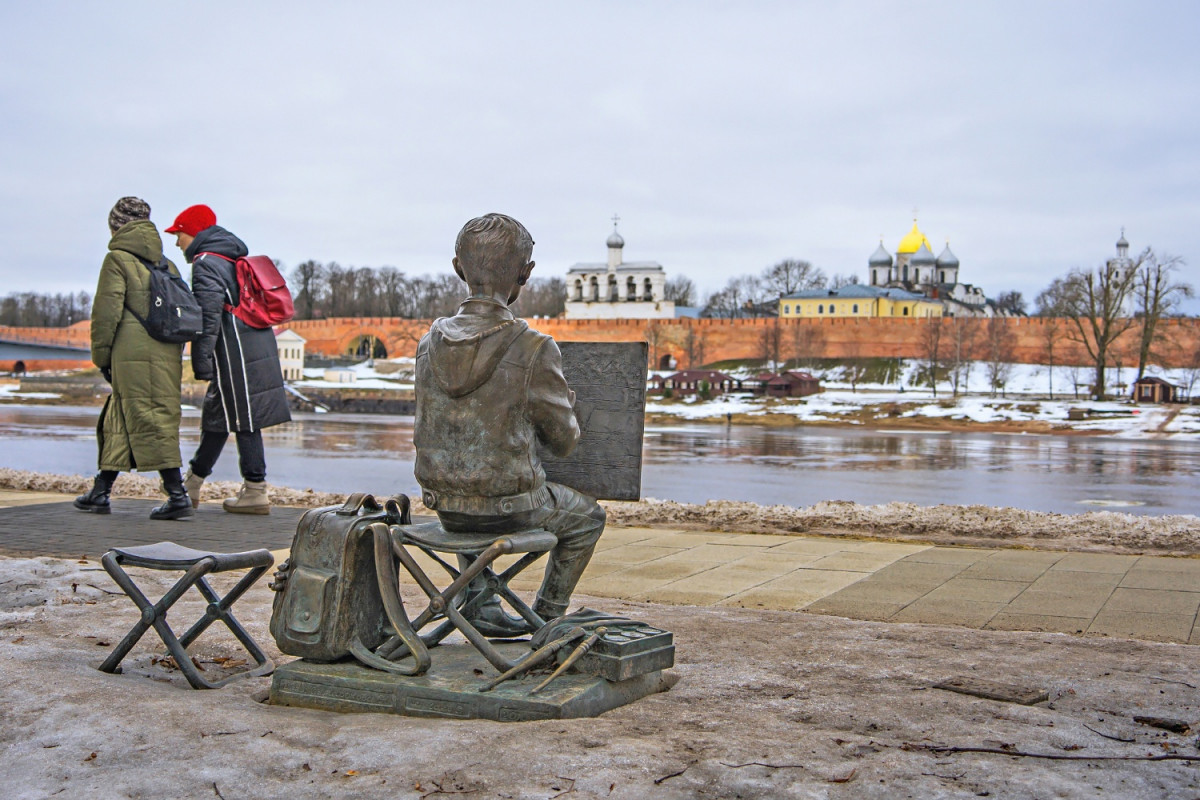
{"x":571,"y":397}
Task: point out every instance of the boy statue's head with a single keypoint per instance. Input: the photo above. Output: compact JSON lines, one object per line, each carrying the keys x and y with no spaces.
{"x":492,"y":255}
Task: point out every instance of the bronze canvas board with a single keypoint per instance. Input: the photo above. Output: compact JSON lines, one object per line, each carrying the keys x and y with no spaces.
{"x":609,"y":380}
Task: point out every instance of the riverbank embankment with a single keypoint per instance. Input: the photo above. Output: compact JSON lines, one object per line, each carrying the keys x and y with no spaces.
{"x":986,"y":526}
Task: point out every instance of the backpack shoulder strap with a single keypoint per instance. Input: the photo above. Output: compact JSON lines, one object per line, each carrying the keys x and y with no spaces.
{"x":218,"y":255}
{"x":161,"y":265}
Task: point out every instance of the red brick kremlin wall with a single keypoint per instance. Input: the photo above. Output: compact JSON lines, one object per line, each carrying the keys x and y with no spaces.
{"x":722,"y":340}
{"x":77,"y":335}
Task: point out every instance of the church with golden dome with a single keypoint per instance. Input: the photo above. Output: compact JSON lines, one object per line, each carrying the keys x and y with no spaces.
{"x":915,"y":269}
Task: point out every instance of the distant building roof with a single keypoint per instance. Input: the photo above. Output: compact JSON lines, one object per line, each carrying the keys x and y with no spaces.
{"x":626,"y":266}
{"x":699,"y":375}
{"x":854,"y":290}
{"x":794,"y":377}
{"x":1154,"y":380}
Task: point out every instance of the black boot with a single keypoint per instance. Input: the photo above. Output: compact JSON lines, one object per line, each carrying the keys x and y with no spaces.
{"x":178,"y":504}
{"x":96,"y":501}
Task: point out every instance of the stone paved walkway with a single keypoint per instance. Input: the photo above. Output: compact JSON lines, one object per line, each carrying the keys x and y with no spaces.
{"x":1141,"y":597}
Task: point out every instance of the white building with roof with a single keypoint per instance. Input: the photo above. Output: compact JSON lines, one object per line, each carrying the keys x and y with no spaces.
{"x":291,"y":354}
{"x":617,"y":289}
{"x":1120,"y":267}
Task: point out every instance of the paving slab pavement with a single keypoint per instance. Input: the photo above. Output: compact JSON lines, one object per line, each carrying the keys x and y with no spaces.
{"x":1141,"y":597}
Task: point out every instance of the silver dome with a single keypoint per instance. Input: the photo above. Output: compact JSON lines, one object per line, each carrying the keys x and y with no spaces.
{"x":880,"y":258}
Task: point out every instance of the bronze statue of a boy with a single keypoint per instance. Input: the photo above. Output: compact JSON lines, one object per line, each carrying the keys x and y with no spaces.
{"x":489,"y":391}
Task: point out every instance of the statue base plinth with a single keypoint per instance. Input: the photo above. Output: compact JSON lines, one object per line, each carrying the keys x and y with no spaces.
{"x":450,"y":689}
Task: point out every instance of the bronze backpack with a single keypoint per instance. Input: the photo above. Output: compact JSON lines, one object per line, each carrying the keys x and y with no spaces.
{"x":328,"y":603}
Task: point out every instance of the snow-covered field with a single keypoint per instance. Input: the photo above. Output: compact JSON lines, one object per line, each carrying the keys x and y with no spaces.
{"x":1026,"y":400}
{"x":391,"y":374}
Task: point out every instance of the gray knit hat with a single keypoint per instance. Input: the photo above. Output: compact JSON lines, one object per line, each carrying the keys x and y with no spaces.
{"x":127,"y":210}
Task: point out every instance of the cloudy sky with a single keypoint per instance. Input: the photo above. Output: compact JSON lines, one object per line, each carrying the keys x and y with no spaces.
{"x":726,"y":135}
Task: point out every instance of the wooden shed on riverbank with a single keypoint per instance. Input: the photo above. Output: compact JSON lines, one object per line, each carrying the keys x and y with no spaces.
{"x":1148,"y":389}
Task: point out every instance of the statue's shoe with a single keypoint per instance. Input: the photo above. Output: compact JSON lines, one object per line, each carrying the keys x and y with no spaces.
{"x":492,"y":621}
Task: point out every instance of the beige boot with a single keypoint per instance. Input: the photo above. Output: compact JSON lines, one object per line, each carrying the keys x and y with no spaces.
{"x":252,"y":499}
{"x":193,"y":483}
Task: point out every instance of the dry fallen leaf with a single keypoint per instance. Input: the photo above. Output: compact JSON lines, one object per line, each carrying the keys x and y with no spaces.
{"x":92,"y":757}
{"x":846,"y":778}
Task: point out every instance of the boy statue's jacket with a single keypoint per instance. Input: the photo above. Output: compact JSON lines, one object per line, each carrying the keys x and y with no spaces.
{"x":489,"y":390}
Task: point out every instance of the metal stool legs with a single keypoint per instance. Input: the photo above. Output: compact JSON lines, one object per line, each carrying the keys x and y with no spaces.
{"x":446,"y":604}
{"x":155,"y":614}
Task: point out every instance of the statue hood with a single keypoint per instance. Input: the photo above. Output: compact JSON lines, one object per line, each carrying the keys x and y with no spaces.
{"x":464,"y":350}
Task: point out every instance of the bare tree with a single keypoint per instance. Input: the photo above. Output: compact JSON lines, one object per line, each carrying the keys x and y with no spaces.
{"x":838,"y":281}
{"x":1051,"y":330}
{"x":680,"y":290}
{"x":308,"y":283}
{"x":1157,"y":294}
{"x":771,"y":339}
{"x":1011,"y":302}
{"x":1191,"y":372}
{"x":392,"y":287}
{"x":931,"y":350}
{"x":542,"y":297}
{"x":856,"y":366}
{"x":1001,"y":347}
{"x":792,"y":275}
{"x":808,"y":339}
{"x":730,"y":302}
{"x":958,"y":352}
{"x":654,"y":338}
{"x":36,"y":310}
{"x":693,"y":348}
{"x":368,"y":299}
{"x":1094,"y":302}
{"x":758,"y":298}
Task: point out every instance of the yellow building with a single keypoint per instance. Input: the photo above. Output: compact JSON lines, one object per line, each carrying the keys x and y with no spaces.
{"x":856,"y":300}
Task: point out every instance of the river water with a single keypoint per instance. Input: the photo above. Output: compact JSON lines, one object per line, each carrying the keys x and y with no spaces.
{"x":694,"y":463}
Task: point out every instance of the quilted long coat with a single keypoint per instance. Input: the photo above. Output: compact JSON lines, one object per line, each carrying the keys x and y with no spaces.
{"x":139,"y":426}
{"x":245,"y":390}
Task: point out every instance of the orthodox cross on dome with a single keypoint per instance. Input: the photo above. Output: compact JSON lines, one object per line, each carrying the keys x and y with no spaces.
{"x":914,"y":214}
{"x":615,"y":220}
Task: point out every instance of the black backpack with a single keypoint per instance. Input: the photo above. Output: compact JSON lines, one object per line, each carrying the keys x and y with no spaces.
{"x":174,"y":316}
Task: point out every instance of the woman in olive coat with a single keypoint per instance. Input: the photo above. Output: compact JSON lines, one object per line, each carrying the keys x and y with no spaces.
{"x":139,"y":426}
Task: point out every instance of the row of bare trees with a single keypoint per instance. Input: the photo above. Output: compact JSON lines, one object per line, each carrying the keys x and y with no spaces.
{"x":1102,"y":305}
{"x":952,"y":346}
{"x":331,"y":290}
{"x":757,"y":295}
{"x":34,"y":310}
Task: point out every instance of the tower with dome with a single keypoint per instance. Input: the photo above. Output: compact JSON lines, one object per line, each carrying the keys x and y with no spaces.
{"x":915,"y":269}
{"x":617,"y":289}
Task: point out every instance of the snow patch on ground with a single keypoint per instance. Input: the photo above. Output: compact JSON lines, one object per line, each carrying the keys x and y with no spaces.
{"x":31,"y":582}
{"x":12,"y":391}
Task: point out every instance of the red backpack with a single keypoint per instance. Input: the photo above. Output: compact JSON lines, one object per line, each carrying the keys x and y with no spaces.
{"x":263,"y":296}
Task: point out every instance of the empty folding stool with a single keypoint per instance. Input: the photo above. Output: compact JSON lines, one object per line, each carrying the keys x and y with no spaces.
{"x":195,"y":565}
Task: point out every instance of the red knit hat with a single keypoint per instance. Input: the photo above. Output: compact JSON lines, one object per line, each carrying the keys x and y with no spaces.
{"x":193,"y":219}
